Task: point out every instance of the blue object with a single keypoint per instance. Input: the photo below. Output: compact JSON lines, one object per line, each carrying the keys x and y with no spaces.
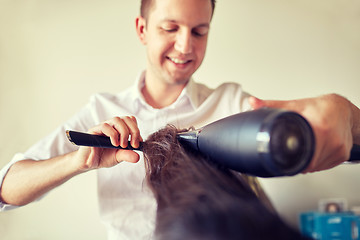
{"x":330,"y":226}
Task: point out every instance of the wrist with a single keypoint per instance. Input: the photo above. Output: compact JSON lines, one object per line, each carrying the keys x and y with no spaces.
{"x":76,"y":161}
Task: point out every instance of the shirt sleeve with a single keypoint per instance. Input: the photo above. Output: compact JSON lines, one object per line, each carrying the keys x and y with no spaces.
{"x":232,"y":95}
{"x":3,"y":172}
{"x":55,"y":144}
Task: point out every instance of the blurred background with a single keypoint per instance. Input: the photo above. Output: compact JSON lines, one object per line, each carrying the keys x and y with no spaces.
{"x":55,"y":54}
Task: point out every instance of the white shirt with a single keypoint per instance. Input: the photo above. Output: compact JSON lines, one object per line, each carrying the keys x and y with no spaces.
{"x":128,"y":209}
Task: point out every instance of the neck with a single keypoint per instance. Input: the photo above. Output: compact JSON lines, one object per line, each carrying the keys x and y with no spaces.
{"x":160,"y":95}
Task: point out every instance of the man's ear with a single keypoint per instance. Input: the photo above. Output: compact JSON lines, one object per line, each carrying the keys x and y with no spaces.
{"x":141,"y":29}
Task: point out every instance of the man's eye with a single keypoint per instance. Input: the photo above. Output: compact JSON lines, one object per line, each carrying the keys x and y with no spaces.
{"x":170,"y":29}
{"x":198,"y":33}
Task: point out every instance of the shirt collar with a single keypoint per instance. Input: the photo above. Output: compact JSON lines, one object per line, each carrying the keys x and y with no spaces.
{"x":191,"y":93}
{"x":188,"y":93}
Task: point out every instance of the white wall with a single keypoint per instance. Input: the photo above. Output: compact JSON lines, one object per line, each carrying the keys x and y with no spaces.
{"x":55,"y":54}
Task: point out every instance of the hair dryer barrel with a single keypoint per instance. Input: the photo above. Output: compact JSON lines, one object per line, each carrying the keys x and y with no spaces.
{"x":265,"y":142}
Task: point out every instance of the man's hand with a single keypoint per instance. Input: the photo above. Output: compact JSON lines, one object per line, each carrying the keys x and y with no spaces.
{"x":27,"y":180}
{"x":335,"y":122}
{"x":119,"y":129}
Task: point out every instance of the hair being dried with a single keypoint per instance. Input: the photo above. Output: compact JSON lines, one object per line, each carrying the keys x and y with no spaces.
{"x":198,"y":199}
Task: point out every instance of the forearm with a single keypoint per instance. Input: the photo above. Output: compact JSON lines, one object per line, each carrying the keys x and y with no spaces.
{"x":27,"y":180}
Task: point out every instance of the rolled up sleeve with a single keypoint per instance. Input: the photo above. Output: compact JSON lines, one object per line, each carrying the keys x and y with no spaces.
{"x":17,"y":157}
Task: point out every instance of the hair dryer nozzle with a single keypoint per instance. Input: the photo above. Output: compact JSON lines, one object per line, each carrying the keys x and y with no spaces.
{"x":189,"y":138}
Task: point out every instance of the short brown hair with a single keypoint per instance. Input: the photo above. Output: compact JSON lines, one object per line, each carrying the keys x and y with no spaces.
{"x":147,"y":4}
{"x":199,"y":199}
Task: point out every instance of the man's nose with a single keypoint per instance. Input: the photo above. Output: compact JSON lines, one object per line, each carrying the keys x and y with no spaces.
{"x":183,"y":42}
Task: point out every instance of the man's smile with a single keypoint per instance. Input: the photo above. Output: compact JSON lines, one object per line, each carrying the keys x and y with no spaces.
{"x":178,"y":60}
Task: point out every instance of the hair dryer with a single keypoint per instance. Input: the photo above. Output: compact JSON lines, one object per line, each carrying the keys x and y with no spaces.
{"x":266,"y":142}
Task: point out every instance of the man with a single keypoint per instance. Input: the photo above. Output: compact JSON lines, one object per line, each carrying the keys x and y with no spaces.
{"x":175,"y":34}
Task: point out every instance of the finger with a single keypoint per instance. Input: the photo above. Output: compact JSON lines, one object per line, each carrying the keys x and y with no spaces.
{"x":127,"y":155}
{"x":324,"y":160}
{"x":134,"y":131}
{"x":332,"y":149}
{"x":319,"y":154}
{"x":256,"y":103}
{"x":107,"y":130}
{"x":121,"y":127}
{"x":313,"y":166}
{"x":278,"y":104}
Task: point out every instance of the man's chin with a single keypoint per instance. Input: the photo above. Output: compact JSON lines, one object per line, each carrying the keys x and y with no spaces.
{"x":179,"y":82}
{"x":180,"y":79}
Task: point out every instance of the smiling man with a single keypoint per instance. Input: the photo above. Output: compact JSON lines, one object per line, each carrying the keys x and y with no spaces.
{"x":175,"y":34}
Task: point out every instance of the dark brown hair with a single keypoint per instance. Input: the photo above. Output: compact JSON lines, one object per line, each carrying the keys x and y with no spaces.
{"x":146,"y":5}
{"x":198,"y":199}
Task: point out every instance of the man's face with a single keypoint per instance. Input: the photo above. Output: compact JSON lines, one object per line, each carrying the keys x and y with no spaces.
{"x":175,"y":34}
